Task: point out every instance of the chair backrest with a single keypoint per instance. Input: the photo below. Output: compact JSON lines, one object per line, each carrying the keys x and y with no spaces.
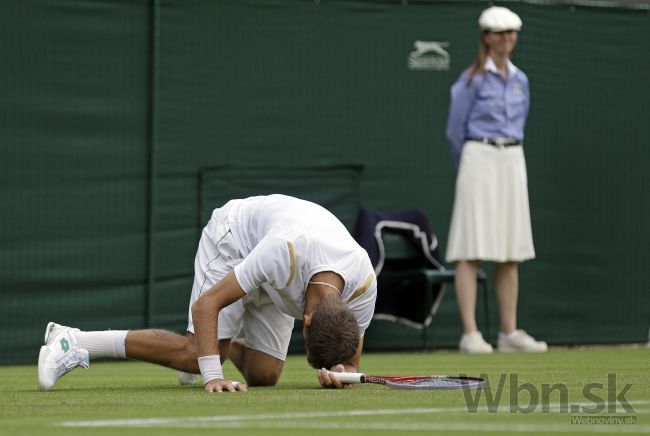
{"x":405,"y":291}
{"x":397,"y":247}
{"x":403,"y":250}
{"x":407,"y":232}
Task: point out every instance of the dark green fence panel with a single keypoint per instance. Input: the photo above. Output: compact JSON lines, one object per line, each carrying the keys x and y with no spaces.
{"x":73,"y":132}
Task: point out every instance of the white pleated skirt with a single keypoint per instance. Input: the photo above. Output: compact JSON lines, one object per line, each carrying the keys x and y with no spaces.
{"x":491,"y":216}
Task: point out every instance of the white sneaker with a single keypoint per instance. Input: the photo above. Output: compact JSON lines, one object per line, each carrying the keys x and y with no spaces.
{"x":60,"y":355}
{"x":474,"y":343}
{"x":521,"y":341}
{"x":185,"y":378}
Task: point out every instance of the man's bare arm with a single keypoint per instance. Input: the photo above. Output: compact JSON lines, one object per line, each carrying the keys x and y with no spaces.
{"x":205,"y":313}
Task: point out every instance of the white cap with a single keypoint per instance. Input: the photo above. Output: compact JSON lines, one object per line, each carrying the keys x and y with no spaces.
{"x":499,"y":19}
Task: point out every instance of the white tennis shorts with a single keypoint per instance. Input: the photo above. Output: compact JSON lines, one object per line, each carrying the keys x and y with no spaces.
{"x":253,"y":320}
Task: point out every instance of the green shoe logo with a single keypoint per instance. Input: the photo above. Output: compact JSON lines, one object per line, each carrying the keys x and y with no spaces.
{"x":65,"y":346}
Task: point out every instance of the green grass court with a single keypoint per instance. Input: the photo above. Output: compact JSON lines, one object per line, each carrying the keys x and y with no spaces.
{"x":136,"y":398}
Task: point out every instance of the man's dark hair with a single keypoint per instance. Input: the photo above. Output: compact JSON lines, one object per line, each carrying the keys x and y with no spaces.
{"x":333,"y":335}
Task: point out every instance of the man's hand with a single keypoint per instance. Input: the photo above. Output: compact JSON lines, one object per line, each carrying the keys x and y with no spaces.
{"x":329,"y":381}
{"x":218,"y":385}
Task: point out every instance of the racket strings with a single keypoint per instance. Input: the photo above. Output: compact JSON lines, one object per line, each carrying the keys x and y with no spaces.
{"x":440,"y":382}
{"x":434,"y":381}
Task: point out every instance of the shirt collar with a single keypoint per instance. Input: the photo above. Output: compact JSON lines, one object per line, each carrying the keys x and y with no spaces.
{"x":491,"y":66}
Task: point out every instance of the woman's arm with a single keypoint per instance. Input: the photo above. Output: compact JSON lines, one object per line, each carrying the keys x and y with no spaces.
{"x":463,"y":96}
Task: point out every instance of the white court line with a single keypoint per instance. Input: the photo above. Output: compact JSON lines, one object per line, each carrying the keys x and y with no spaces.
{"x":221,"y":419}
{"x":566,"y":408}
{"x":253,"y":421}
{"x":443,"y":426}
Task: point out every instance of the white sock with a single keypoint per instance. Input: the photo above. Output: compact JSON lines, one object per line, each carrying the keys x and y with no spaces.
{"x":109,"y":343}
{"x":507,"y":335}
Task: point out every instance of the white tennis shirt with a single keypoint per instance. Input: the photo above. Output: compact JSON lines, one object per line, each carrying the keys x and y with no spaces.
{"x":285,"y":241}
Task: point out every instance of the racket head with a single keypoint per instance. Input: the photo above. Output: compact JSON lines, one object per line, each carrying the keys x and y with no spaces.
{"x":435,"y":382}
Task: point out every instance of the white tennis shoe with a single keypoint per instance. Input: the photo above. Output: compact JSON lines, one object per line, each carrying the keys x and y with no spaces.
{"x":186,"y":378}
{"x":521,"y":341}
{"x":60,"y":355}
{"x":473,"y":343}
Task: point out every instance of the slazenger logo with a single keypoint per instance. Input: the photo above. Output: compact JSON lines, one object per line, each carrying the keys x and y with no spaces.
{"x":429,"y":56}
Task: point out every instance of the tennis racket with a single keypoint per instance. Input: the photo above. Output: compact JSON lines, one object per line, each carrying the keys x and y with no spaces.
{"x":428,"y":382}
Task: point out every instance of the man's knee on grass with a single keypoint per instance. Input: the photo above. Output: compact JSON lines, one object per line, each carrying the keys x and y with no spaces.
{"x":332,"y":336}
{"x":268,"y":377}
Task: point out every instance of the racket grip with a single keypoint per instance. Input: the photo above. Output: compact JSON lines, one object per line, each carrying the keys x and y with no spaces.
{"x":348,"y":377}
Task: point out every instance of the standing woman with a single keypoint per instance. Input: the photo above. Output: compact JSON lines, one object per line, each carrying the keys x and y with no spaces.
{"x":491,"y":217}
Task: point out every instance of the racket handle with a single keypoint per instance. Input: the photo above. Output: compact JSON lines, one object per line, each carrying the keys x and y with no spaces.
{"x":348,"y":377}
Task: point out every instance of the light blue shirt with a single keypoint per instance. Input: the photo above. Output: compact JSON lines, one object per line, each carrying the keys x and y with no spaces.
{"x":488,"y":107}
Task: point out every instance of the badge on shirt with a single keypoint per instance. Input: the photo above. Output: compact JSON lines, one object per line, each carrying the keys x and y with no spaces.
{"x":516,"y":88}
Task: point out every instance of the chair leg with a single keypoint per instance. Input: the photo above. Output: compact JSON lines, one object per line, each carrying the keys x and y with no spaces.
{"x":429,"y":303}
{"x":425,"y":338}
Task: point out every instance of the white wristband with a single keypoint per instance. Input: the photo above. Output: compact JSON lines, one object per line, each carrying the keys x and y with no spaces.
{"x":210,"y":367}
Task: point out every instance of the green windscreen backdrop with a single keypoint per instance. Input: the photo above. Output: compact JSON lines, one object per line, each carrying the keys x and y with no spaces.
{"x":74,"y":112}
{"x":122,"y":124}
